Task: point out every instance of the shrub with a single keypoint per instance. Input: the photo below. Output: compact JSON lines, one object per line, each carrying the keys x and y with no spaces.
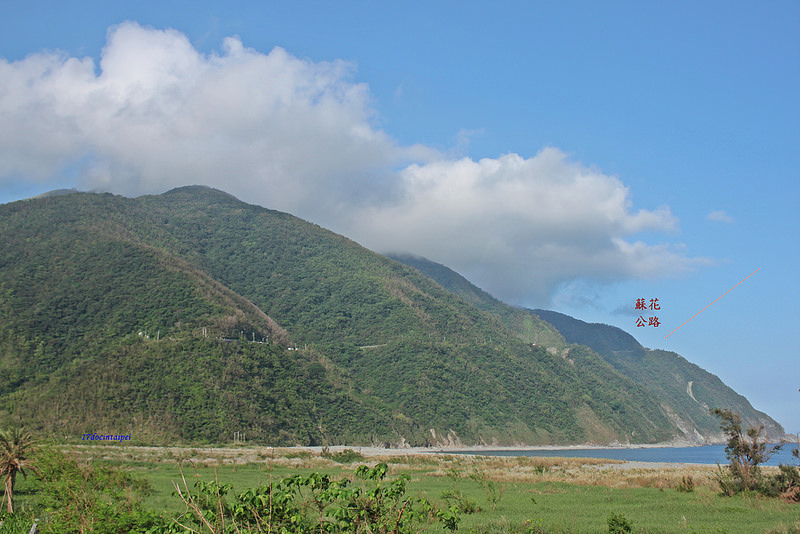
{"x":686,"y":485}
{"x":746,"y":451}
{"x":347,"y":456}
{"x":534,"y":526}
{"x":305,"y":455}
{"x":308,"y":504}
{"x":84,"y":497}
{"x":618,"y":524}
{"x":727,"y":482}
{"x":493,"y":490}
{"x":787,"y":483}
{"x":464,"y":504}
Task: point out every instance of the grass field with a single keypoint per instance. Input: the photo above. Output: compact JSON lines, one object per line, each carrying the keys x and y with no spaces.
{"x":509,"y":494}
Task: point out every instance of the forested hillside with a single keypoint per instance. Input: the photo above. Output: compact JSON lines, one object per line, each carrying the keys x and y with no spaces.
{"x":527,"y":326}
{"x":685,"y":392}
{"x":176,"y":318}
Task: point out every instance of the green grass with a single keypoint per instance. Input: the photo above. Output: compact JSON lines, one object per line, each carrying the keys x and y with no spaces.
{"x":551,"y":506}
{"x":162,"y":477}
{"x":566,"y":496}
{"x":562,"y":507}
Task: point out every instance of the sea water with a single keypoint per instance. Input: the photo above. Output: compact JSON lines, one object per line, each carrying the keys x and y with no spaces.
{"x":707,"y":454}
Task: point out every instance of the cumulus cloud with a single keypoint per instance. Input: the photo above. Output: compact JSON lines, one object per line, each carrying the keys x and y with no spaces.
{"x":521,"y":227}
{"x":299,"y":136}
{"x":158,"y":114}
{"x":719,"y":216}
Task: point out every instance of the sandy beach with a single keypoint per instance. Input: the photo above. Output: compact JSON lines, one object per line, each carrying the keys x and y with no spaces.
{"x":249,"y":454}
{"x":478,"y":449}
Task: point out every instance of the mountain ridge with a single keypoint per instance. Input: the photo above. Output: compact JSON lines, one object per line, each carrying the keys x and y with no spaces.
{"x":167,"y":298}
{"x":627,"y":355}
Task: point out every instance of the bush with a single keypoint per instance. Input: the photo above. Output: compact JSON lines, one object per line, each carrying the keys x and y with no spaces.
{"x":686,"y":485}
{"x":347,"y":456}
{"x":308,"y":504}
{"x":534,"y":526}
{"x":304,"y":455}
{"x":464,"y":504}
{"x":727,"y":482}
{"x":786,"y":484}
{"x":746,"y":451}
{"x":493,"y":490}
{"x":618,"y":524}
{"x":84,"y":497}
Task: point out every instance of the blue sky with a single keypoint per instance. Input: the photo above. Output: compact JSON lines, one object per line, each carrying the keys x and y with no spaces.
{"x":569,"y":155}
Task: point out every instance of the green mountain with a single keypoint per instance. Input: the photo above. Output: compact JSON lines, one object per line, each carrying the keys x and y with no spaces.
{"x":527,"y":326}
{"x":684,"y":391}
{"x":687,"y":391}
{"x":191,"y":315}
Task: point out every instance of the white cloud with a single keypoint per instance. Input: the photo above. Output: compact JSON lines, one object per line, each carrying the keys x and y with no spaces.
{"x":297,"y":136}
{"x":719,"y":216}
{"x":158,"y":114}
{"x":520,"y":227}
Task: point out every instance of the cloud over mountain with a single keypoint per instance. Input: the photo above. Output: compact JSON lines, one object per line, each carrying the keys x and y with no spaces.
{"x":300,"y":136}
{"x":159,"y":114}
{"x":520,"y":227}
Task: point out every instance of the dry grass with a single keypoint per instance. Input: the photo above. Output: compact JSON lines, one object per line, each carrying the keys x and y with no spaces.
{"x":584,"y":471}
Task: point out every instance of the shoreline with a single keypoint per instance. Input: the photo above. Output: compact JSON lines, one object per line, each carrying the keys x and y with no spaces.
{"x":251,"y":452}
{"x":462,"y":449}
{"x":370,"y":450}
{"x":244,"y":454}
{"x":479,"y":450}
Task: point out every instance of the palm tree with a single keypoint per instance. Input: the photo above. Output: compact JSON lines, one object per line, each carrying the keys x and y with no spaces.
{"x":15,"y":446}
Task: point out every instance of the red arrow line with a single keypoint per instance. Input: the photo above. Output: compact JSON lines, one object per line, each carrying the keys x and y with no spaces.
{"x":704,"y":309}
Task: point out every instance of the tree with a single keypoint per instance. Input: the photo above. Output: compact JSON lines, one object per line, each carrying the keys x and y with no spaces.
{"x":745,"y":450}
{"x":15,"y":446}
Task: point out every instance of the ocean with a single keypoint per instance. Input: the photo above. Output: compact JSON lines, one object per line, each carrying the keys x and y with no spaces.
{"x":707,"y":454}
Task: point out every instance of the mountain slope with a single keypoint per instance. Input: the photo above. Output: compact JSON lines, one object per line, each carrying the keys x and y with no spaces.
{"x":687,"y":392}
{"x":145,"y":314}
{"x":527,"y":326}
{"x":683,"y":390}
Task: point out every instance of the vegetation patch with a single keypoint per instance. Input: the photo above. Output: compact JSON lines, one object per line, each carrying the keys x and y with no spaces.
{"x":346,"y":456}
{"x":135,"y":491}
